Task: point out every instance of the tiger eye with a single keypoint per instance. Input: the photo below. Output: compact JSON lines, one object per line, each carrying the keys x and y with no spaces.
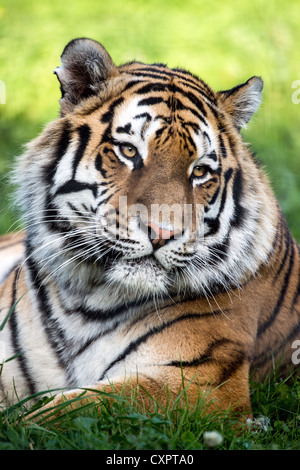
{"x":199,"y":171}
{"x":128,"y":151}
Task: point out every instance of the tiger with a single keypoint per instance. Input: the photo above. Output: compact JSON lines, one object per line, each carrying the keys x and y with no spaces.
{"x":155,"y":256}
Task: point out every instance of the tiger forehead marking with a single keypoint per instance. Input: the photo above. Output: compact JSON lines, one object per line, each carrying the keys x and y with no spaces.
{"x":137,"y":113}
{"x":168,"y":134}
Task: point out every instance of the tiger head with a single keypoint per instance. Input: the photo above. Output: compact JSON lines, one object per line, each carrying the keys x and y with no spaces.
{"x":144,"y":183}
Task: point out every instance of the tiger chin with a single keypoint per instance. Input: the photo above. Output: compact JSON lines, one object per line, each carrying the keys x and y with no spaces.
{"x":155,"y":253}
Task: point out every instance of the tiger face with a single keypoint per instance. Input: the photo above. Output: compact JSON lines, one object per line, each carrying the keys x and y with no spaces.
{"x":148,"y":186}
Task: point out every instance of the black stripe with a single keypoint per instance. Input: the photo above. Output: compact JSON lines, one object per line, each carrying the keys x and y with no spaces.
{"x":132,"y":84}
{"x":133,"y":346}
{"x":108,"y":116}
{"x":145,"y":126}
{"x":230,"y":369}
{"x":98,"y":103}
{"x":297,"y":292}
{"x":52,"y":219}
{"x":196,"y":114}
{"x":237,"y":192}
{"x":98,"y":315}
{"x":145,"y":115}
{"x":231,"y":142}
{"x":213,"y":199}
{"x":168,"y":136}
{"x":193,"y":363}
{"x":154,"y":71}
{"x":196,"y":128}
{"x":125,"y":129}
{"x":222,"y":146}
{"x":154,"y":75}
{"x":191,"y":141}
{"x":195,"y":100}
{"x":266,"y":355}
{"x":219,"y":252}
{"x":104,"y":190}
{"x":184,"y":77}
{"x":75,"y":186}
{"x":278,"y":239}
{"x":105,"y":201}
{"x":60,"y":151}
{"x":205,"y":357}
{"x":159,"y":132}
{"x":200,"y":105}
{"x":280,"y":301}
{"x":99,"y":164}
{"x":214,"y":223}
{"x":286,"y":239}
{"x":17,"y":346}
{"x":93,"y":340}
{"x":175,"y":104}
{"x":151,"y":88}
{"x":199,"y":89}
{"x":54,"y":332}
{"x":150,"y":101}
{"x":227,"y":177}
{"x":212,"y":155}
{"x":72,"y":185}
{"x":84,"y":137}
{"x":78,"y":212}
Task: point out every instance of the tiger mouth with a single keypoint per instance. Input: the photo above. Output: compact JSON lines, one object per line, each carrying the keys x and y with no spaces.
{"x":154,"y":260}
{"x":136,"y":263}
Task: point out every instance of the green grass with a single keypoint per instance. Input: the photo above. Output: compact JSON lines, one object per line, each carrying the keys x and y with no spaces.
{"x":124,"y":426}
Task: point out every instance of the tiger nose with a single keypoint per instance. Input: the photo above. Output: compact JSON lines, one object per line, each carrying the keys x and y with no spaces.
{"x":159,"y":236}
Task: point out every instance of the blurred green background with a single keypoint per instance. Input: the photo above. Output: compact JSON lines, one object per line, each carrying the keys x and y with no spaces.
{"x":225,"y":43}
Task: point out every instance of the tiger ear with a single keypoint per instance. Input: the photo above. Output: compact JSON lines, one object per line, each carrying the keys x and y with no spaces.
{"x":242,"y":101}
{"x":86,"y":65}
